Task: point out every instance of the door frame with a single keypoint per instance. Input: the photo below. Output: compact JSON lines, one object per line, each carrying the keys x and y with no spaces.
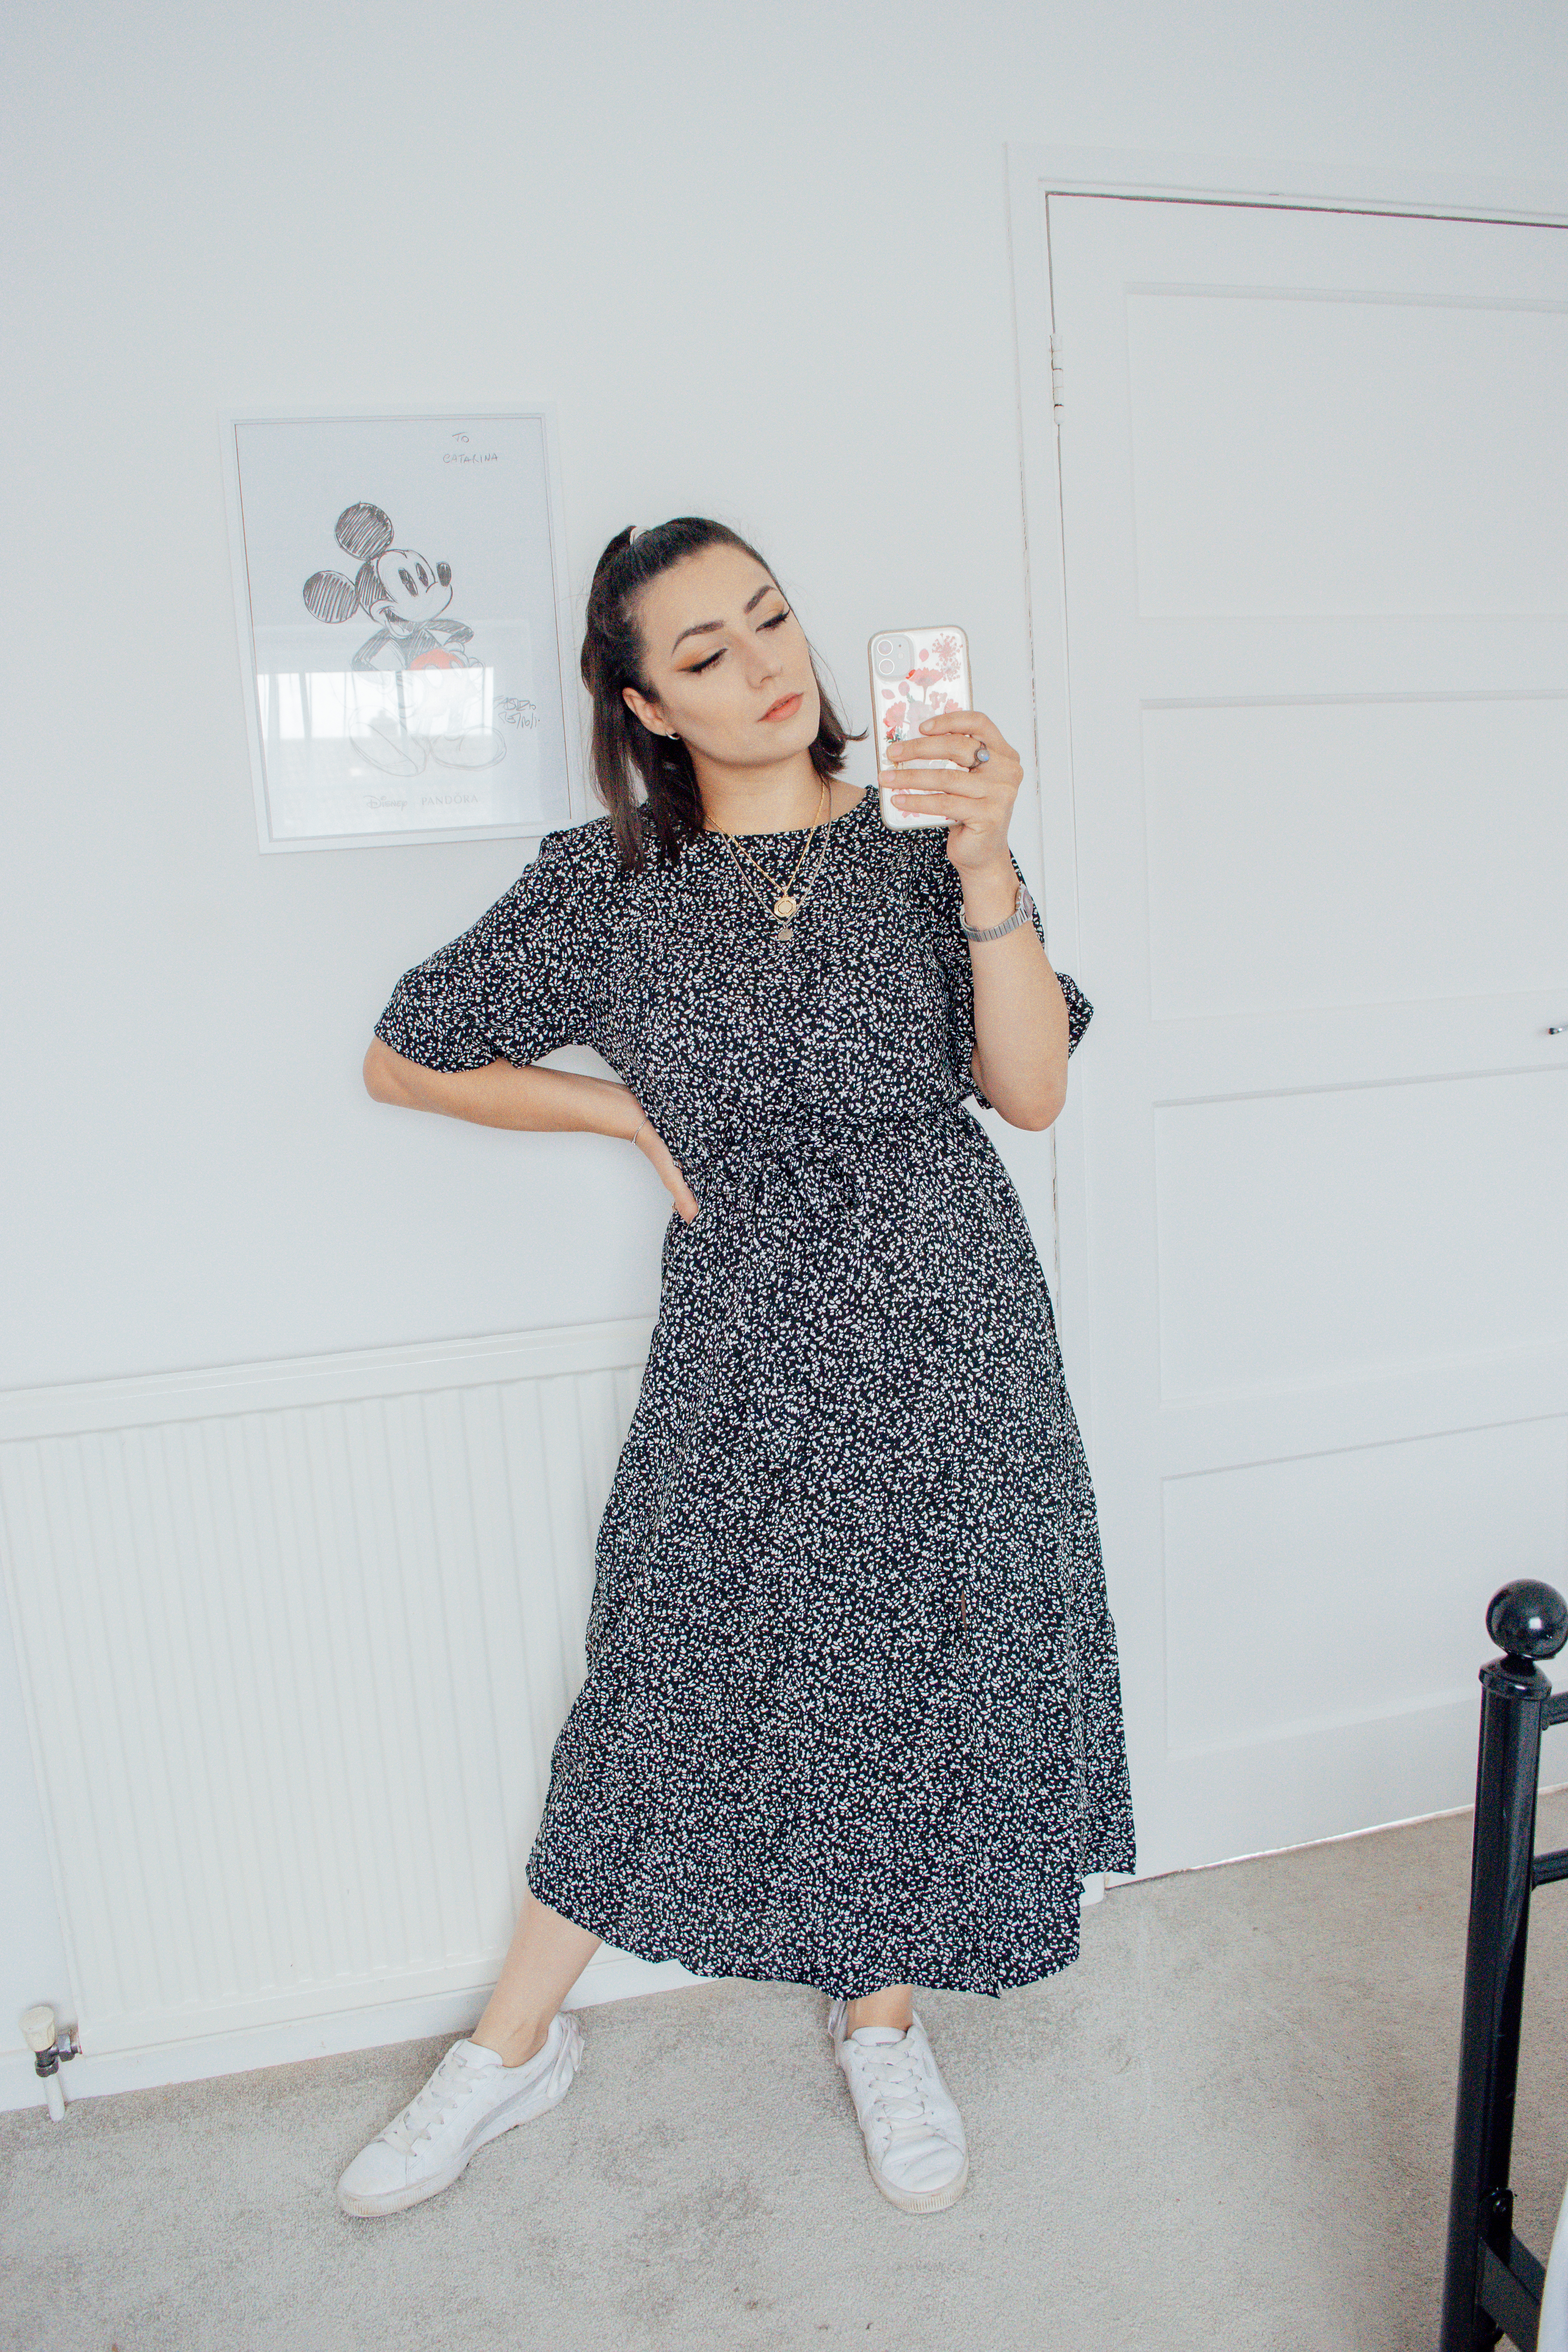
{"x":1033,"y":174}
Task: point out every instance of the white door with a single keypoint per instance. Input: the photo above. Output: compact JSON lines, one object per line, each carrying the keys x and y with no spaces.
{"x":1314,"y":522}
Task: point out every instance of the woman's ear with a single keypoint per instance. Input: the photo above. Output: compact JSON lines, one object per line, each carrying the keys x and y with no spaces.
{"x":648,"y":712}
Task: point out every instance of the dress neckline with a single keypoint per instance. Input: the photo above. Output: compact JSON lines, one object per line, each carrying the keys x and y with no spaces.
{"x":789,"y":832}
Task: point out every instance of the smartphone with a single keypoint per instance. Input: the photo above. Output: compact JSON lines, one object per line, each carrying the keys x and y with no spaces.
{"x":915,"y":673}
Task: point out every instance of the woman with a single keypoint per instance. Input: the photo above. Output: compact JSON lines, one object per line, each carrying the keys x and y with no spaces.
{"x":851,"y":1715}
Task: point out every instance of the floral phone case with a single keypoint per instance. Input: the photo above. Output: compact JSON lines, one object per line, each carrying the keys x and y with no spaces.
{"x":915,"y":673}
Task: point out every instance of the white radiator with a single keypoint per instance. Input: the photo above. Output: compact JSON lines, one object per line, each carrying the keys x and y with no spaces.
{"x":296,"y":1640}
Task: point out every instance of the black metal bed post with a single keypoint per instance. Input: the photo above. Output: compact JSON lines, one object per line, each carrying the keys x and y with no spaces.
{"x":1527,"y":1620}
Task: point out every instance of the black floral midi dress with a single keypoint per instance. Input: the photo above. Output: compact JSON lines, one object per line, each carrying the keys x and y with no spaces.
{"x":851,"y":1714}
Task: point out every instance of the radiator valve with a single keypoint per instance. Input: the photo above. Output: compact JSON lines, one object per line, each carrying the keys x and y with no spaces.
{"x":48,"y":2047}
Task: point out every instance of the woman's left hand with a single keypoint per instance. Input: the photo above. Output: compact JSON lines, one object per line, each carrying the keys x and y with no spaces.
{"x":978,"y":799}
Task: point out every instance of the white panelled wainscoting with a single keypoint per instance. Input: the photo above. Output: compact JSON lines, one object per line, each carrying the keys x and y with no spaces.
{"x":296,"y":1640}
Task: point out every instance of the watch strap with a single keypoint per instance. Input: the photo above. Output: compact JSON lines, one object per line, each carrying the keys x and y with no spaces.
{"x":1023,"y":913}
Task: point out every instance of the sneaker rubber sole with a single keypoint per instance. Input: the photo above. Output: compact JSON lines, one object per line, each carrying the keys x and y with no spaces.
{"x":922,"y":2200}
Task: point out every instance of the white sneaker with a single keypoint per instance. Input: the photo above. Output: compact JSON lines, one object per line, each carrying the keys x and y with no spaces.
{"x":472,"y":2097}
{"x":914,"y":2138}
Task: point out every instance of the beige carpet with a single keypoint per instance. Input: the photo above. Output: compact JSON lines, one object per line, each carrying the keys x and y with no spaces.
{"x":1227,"y":2127}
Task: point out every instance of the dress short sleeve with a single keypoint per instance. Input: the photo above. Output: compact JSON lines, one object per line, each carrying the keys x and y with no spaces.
{"x":521,"y":981}
{"x":941,"y":891}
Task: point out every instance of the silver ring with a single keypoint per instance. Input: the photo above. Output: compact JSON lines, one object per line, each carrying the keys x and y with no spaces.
{"x":981,"y":756}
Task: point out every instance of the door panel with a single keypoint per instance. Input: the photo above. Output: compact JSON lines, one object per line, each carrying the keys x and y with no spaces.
{"x":1278,"y":883}
{"x":1313,"y":472}
{"x":1324,"y":1235}
{"x":1404,"y":1522}
{"x":1399,"y":491}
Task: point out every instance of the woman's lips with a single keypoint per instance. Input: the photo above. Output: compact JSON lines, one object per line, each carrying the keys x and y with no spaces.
{"x":785,"y":710}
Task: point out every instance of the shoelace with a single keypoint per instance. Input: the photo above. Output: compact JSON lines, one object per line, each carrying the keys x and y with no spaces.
{"x":898,"y":2084}
{"x":443,"y":2094}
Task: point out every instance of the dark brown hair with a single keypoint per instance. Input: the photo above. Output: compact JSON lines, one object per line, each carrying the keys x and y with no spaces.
{"x":613,"y":659}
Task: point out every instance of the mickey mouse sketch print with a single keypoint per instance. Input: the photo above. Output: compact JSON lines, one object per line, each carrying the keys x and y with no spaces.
{"x":433,"y":704}
{"x":403,"y":618}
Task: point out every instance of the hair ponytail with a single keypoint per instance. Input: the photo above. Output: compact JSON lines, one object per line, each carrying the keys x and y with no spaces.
{"x":622,"y":748}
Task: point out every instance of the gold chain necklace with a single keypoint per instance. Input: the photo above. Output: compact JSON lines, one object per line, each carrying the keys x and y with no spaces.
{"x":785,"y":906}
{"x":784,"y":930}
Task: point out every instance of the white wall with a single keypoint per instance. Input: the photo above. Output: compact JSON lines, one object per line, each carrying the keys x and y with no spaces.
{"x":757,"y":255}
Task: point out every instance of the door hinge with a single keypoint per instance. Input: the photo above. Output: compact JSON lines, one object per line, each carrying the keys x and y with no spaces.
{"x":1056,"y":377}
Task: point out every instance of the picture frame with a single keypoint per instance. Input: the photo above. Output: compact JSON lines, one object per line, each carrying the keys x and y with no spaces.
{"x":404,"y":625}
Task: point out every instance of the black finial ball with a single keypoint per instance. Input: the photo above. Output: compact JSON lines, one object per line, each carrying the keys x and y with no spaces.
{"x":1527,"y":1620}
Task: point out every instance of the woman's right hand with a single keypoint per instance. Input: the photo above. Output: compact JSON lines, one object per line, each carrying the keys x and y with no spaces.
{"x":652,"y":1145}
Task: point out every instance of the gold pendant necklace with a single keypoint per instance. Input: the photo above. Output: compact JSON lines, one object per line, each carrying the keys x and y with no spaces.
{"x":786,"y":929}
{"x":783,"y":929}
{"x":787,"y":906}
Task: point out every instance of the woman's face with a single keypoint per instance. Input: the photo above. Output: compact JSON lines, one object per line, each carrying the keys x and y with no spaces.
{"x":726,"y":661}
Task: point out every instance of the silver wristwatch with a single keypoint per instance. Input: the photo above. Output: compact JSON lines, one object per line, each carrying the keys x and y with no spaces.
{"x":1023,"y":913}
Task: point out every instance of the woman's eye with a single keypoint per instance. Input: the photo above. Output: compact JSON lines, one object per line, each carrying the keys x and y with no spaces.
{"x":697,"y":668}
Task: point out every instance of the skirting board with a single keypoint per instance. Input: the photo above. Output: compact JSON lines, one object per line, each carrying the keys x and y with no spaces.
{"x":609,"y":1976}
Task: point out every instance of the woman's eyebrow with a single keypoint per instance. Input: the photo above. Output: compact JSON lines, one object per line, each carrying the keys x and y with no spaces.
{"x":701,"y":628}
